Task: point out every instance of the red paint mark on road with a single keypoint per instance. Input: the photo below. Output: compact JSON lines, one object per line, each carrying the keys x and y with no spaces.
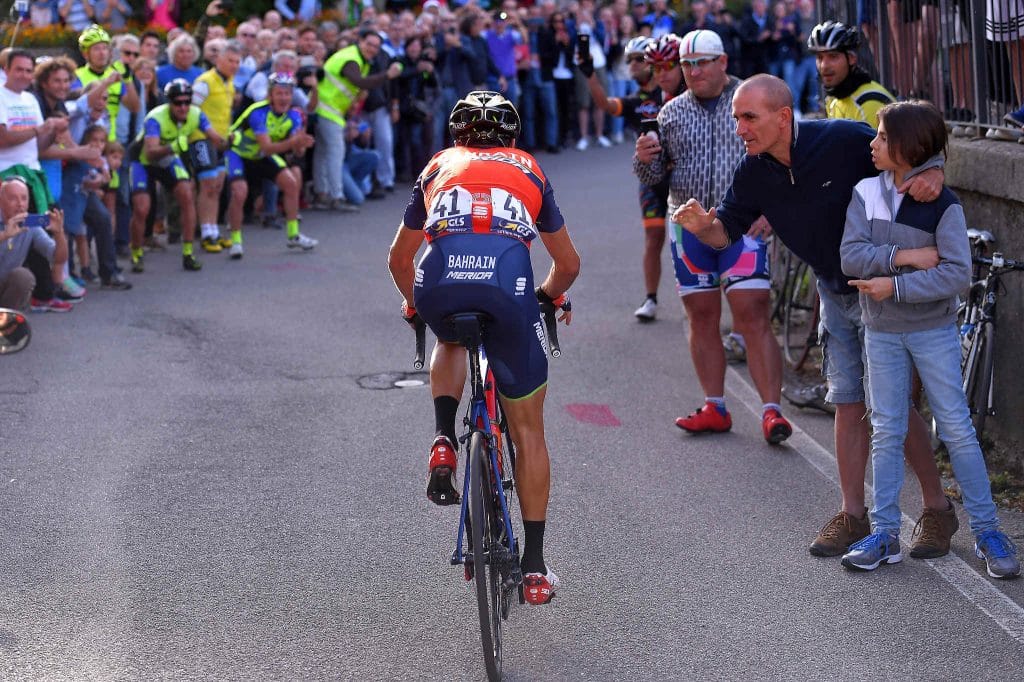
{"x":589,"y":413}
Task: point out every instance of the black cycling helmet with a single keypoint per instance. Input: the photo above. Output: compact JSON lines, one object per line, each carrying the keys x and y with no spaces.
{"x":177,"y":88}
{"x":833,"y":36}
{"x":484,"y":118}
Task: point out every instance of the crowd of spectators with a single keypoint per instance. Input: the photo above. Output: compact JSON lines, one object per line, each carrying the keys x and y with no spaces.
{"x":374,"y":90}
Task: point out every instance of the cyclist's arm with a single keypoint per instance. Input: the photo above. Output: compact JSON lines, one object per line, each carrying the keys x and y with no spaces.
{"x":156,"y":151}
{"x":613,"y":105}
{"x":565,"y":262}
{"x":400,"y":259}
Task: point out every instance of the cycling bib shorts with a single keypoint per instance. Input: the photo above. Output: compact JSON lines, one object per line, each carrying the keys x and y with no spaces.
{"x":139,"y":176}
{"x":654,"y":204}
{"x":253,"y":171}
{"x":489,"y":274}
{"x":698,"y":267}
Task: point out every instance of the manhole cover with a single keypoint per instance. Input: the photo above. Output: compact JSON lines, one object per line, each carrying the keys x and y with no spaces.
{"x":386,"y":380}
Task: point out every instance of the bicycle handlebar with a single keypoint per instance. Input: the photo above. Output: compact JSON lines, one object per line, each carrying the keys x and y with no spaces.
{"x":998,"y":262}
{"x":421,"y":342}
{"x":551,"y":324}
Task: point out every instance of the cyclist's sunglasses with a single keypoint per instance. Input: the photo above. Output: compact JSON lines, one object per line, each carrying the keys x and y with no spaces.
{"x":181,"y":102}
{"x":697,"y":62}
{"x":666,"y":66}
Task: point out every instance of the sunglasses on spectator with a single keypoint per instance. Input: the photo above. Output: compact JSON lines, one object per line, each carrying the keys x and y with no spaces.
{"x":181,"y":102}
{"x":130,"y":53}
{"x":246,"y":35}
{"x":695,"y":62}
{"x":666,"y":66}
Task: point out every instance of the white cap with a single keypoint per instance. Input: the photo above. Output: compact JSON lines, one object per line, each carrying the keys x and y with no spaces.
{"x":431,"y":3}
{"x":701,"y":41}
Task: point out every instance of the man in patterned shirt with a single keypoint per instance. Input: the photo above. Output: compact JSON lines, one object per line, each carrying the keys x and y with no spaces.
{"x":699,"y":154}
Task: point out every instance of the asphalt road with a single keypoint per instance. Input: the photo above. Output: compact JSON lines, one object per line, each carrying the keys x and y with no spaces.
{"x":200,"y":479}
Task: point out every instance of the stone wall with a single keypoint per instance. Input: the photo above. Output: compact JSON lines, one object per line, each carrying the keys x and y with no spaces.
{"x":988,"y":176}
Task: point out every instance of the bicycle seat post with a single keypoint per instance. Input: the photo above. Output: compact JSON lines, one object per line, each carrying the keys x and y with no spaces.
{"x":468,"y":328}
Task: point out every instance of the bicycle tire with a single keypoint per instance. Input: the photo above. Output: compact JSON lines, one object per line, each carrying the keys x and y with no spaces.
{"x":800,"y":300}
{"x":979,"y":398}
{"x":486,"y":575}
{"x":780,"y":279}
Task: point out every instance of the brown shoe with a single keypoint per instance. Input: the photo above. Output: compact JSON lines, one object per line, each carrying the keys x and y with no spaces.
{"x":839,"y":533}
{"x":933,"y":531}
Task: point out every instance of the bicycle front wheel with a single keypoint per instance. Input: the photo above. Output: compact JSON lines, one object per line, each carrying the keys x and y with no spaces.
{"x":798,"y":315}
{"x":485,"y":571}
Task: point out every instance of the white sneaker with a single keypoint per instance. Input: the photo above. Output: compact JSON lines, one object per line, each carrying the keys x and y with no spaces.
{"x":604,"y":141}
{"x":618,"y":138}
{"x":999,"y":134}
{"x":301,"y":241}
{"x":235,"y":252}
{"x":582,"y":144}
{"x":646,"y":312}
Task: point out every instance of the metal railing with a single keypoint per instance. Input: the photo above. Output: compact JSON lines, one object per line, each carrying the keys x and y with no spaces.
{"x":966,"y":56}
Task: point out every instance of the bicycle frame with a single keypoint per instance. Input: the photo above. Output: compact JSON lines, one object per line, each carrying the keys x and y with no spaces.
{"x":482,"y":417}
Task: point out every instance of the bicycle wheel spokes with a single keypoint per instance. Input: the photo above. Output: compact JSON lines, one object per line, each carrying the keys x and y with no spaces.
{"x":798,"y":315}
{"x":486,"y":571}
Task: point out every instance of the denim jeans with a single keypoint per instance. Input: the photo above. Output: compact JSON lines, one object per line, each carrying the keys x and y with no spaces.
{"x":539,"y":99}
{"x":384,"y":144}
{"x":936,"y":355}
{"x":359,"y":165}
{"x":842,"y":341}
{"x":328,"y":157}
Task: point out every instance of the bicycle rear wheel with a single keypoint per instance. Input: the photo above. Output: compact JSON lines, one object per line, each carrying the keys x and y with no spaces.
{"x":486,"y":572}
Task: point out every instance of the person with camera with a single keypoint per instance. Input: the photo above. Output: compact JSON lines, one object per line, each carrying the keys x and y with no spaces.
{"x":697,"y":149}
{"x":156,"y":156}
{"x":415,"y":91}
{"x":346,"y":72}
{"x":31,"y":247}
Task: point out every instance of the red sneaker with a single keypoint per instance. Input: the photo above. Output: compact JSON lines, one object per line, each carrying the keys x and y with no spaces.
{"x":54,"y":305}
{"x":539,"y":588}
{"x":707,"y":419}
{"x":442,"y":470}
{"x":775,"y":427}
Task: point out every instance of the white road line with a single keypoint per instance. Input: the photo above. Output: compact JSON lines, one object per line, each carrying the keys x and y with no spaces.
{"x":975,"y":587}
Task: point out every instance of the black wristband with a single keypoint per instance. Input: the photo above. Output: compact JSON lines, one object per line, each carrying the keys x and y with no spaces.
{"x":542,"y":296}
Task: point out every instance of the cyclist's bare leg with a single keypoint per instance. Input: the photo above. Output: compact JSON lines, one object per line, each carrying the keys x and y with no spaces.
{"x":654,"y":240}
{"x":851,"y":433}
{"x":289,"y":186}
{"x":185,"y":196}
{"x":704,"y":312}
{"x":533,"y":471}
{"x":447,"y":370}
{"x":209,"y":199}
{"x":751,"y":312}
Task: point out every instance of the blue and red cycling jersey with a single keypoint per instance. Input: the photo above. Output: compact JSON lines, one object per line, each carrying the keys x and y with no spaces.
{"x":496,"y":190}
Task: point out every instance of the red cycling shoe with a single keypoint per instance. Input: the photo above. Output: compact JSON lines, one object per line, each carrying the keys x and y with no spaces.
{"x":708,"y":419}
{"x":776,"y":428}
{"x":442,"y":470}
{"x":539,"y":588}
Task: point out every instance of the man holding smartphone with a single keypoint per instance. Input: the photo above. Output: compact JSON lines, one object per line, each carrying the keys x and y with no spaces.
{"x":697,"y":149}
{"x":23,"y":248}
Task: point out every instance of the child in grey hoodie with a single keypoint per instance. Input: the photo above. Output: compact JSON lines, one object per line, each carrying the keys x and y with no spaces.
{"x":910,"y":261}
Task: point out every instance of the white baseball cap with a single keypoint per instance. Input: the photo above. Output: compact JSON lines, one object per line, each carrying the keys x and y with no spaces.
{"x":701,"y":41}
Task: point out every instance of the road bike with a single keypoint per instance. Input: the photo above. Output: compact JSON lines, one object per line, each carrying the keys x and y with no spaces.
{"x":486,"y":544}
{"x":976,"y":322}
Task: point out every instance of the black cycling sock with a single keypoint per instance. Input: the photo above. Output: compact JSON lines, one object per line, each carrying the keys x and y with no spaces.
{"x":445,"y":410}
{"x":653,"y":297}
{"x":533,"y":551}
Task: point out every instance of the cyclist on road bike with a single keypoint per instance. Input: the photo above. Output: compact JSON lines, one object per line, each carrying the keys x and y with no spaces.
{"x":641,"y":106}
{"x":479,"y":204}
{"x":156,"y":154}
{"x":267,"y":139}
{"x":850,"y":92}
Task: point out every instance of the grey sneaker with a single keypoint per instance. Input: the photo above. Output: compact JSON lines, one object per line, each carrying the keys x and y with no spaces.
{"x":301,"y":241}
{"x":735,"y":351}
{"x":999,"y":553}
{"x":873,"y":551}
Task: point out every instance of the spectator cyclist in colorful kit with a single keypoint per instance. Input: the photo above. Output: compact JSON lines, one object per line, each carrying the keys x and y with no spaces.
{"x":479,"y":204}
{"x":262,"y":139}
{"x":156,"y":155}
